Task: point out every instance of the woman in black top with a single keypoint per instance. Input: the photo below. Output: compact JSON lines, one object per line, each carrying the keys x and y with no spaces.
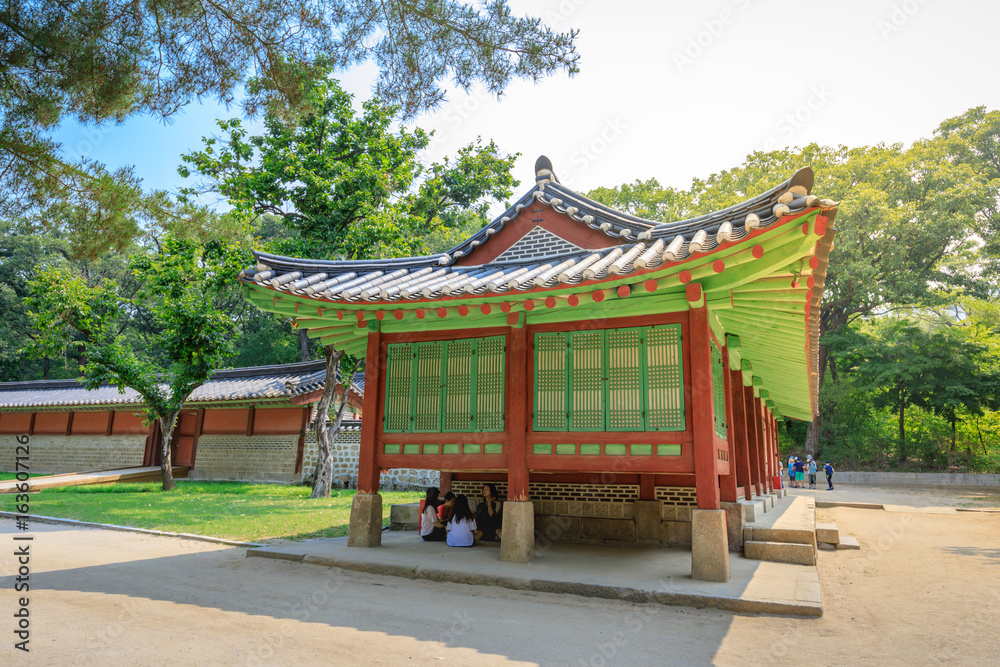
{"x":488,"y":514}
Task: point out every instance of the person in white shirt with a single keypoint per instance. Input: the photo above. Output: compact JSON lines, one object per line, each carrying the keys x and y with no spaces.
{"x":462,"y":524}
{"x":431,"y":529}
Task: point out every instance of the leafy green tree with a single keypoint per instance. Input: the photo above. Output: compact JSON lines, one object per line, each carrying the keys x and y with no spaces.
{"x":177,"y":294}
{"x":103,"y":61}
{"x":346,"y":184}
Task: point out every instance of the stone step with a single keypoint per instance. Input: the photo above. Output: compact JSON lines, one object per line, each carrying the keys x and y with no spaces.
{"x":780,"y":552}
{"x":828,"y":533}
{"x":848,"y":542}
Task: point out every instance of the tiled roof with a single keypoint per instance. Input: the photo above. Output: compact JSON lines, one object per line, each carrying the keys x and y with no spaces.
{"x":237,"y":384}
{"x":647,"y":245}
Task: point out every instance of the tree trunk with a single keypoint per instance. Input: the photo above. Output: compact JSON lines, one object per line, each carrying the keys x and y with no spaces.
{"x":834,"y":374}
{"x":902,"y":429}
{"x":304,"y":344}
{"x":324,"y":454}
{"x":167,"y":424}
{"x":45,"y":368}
{"x":954,"y":428}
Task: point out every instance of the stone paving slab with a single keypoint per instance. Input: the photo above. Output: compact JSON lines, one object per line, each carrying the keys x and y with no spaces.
{"x":633,"y":574}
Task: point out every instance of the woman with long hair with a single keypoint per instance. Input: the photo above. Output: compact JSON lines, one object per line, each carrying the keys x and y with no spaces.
{"x":488,"y":514}
{"x":462,"y":525}
{"x":431,"y":529}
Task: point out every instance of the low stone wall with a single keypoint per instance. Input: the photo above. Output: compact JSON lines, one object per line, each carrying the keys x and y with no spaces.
{"x":346,"y":448}
{"x":914,"y":478}
{"x":76,"y":453}
{"x":257,"y":458}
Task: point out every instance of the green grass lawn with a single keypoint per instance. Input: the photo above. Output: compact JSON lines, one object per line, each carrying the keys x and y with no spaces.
{"x":230,"y":510}
{"x":6,"y":476}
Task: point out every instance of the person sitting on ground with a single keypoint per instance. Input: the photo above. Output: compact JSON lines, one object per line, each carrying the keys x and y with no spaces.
{"x":431,"y":529}
{"x":444,"y":511}
{"x":489,"y":514}
{"x":462,"y":525}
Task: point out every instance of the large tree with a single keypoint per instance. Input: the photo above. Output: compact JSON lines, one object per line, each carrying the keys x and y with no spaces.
{"x":179,"y":286}
{"x":103,"y":61}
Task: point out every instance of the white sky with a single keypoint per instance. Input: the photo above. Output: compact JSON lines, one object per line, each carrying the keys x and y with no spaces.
{"x":676,"y":90}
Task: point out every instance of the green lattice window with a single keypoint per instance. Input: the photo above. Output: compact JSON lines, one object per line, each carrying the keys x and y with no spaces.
{"x":609,"y":380}
{"x":445,"y":386}
{"x":718,"y":392}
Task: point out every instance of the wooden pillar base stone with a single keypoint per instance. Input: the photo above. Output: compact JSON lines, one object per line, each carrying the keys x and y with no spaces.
{"x":365,"y":529}
{"x":709,"y":545}
{"x":518,"y":538}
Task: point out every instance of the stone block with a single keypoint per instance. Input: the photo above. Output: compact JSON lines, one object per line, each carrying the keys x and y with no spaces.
{"x":647,"y":521}
{"x":753,"y":510}
{"x":780,"y":552}
{"x":675,"y":533}
{"x":404,"y":516}
{"x":734,"y":525}
{"x":365,"y":528}
{"x":668,"y":512}
{"x":608,"y":529}
{"x":827,"y":532}
{"x":628,"y":510}
{"x":553,"y":528}
{"x":709,"y":546}
{"x":602,"y":510}
{"x":848,"y":542}
{"x":683,"y":513}
{"x":517,"y":544}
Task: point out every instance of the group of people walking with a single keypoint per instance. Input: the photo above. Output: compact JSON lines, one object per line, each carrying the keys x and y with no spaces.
{"x":799,"y":469}
{"x":452,"y":520}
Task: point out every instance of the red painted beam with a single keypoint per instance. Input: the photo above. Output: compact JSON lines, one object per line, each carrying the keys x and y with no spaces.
{"x":738,"y":428}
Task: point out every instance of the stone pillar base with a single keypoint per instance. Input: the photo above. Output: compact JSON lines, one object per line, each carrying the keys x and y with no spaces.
{"x":365,"y":529}
{"x":517,"y":543}
{"x":734,"y":525}
{"x":709,"y":545}
{"x":647,"y":521}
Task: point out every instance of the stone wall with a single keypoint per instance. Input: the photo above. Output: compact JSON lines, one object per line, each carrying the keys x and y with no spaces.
{"x":75,"y":453}
{"x":914,"y":478}
{"x":257,"y":458}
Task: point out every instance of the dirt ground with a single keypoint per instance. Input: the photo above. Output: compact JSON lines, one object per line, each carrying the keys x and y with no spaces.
{"x":924,"y":589}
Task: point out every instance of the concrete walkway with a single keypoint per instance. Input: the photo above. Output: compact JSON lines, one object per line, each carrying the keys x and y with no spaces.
{"x":141,"y":474}
{"x":632,"y":574}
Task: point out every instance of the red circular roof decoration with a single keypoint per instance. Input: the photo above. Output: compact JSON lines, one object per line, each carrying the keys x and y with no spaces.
{"x":757,"y":251}
{"x":512,"y":319}
{"x":811,"y":282}
{"x":624,"y":291}
{"x":420,"y":313}
{"x":379,"y":315}
{"x":718,"y":266}
{"x":814,"y":262}
{"x":398,"y":314}
{"x":573,"y":300}
{"x":529,"y":305}
{"x":805,"y":228}
{"x":361,"y":315}
{"x":685,"y":276}
{"x":340,"y":314}
{"x":442,"y":312}
{"x":505,"y":306}
{"x":463,"y":310}
{"x":485,"y":309}
{"x":598,"y":296}
{"x":550,"y":302}
{"x":651,"y":285}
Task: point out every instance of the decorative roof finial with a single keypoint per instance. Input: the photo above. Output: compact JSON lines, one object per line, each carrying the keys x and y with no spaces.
{"x":543,"y":170}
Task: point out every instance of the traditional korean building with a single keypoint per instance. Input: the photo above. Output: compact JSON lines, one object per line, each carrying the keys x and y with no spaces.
{"x":619,"y":378}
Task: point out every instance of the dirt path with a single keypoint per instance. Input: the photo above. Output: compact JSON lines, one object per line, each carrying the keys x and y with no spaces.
{"x":925,"y":589}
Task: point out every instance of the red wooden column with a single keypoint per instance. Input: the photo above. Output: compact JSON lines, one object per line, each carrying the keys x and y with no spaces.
{"x":517,"y":424}
{"x":702,"y":409}
{"x":368,"y":472}
{"x":752,"y":438}
{"x":727,"y":483}
{"x":774,"y":445}
{"x":739,"y":430}
{"x":758,"y":418}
